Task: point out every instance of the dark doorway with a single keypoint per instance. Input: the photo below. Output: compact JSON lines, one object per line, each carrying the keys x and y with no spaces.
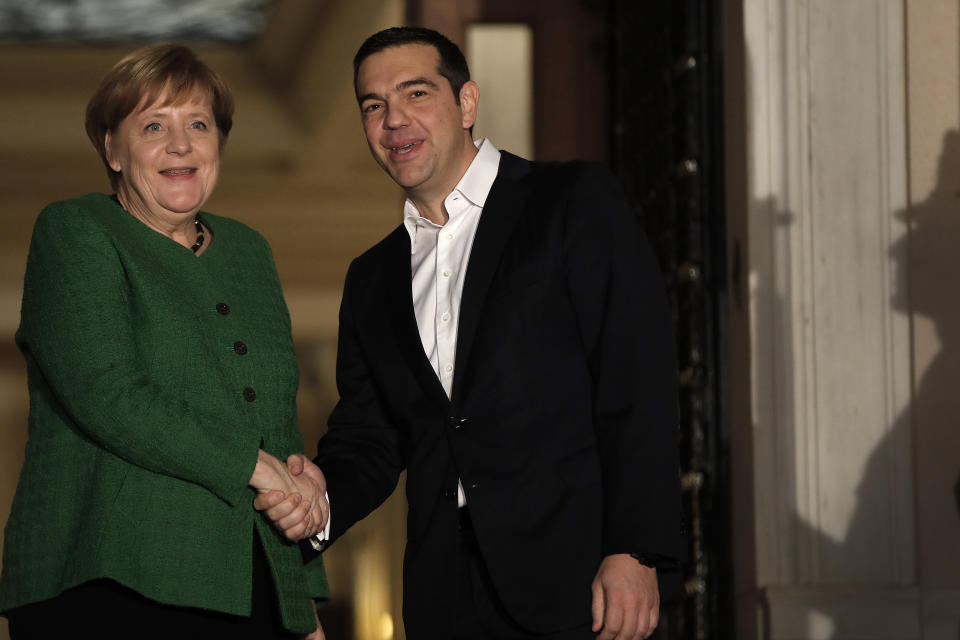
{"x":667,"y":149}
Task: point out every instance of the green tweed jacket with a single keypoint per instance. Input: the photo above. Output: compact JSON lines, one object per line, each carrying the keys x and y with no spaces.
{"x":154,"y":377}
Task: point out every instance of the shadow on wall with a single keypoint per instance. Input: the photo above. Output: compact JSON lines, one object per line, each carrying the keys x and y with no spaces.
{"x":934,"y":266}
{"x":927,"y":264}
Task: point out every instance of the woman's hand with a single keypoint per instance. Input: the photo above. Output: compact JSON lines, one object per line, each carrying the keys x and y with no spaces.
{"x":309,"y":515}
{"x":318,"y":634}
{"x":281,"y":508}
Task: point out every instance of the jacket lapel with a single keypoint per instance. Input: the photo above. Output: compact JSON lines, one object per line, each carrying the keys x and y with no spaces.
{"x":398,"y":279}
{"x":503,"y":208}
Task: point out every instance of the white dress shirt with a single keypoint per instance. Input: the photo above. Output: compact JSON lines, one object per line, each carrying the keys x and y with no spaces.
{"x":438,"y":263}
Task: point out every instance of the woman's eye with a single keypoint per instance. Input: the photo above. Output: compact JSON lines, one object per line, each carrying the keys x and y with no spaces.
{"x":153,"y":126}
{"x":199,"y":125}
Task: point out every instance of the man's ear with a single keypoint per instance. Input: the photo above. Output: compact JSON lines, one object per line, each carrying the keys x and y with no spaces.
{"x":469,"y":100}
{"x":108,"y":152}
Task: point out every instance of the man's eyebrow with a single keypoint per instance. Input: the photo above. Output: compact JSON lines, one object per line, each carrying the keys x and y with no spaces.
{"x":406,"y":84}
{"x":401,"y":86}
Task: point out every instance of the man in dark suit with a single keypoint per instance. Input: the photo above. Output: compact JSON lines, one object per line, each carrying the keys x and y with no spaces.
{"x":508,"y":345}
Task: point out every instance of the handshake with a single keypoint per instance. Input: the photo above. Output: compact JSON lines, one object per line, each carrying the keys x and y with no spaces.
{"x":291,"y":495}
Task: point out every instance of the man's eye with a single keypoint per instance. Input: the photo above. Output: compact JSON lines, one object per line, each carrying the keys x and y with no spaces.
{"x":418,"y":93}
{"x":371,"y":107}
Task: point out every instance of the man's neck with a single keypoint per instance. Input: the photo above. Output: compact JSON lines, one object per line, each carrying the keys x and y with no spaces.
{"x":430,"y":204}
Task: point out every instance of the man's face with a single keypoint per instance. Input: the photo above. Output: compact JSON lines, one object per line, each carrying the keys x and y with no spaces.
{"x":414,"y":126}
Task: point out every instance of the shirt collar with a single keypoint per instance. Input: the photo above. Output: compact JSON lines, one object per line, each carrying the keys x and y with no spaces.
{"x":476,"y":183}
{"x":475,"y":186}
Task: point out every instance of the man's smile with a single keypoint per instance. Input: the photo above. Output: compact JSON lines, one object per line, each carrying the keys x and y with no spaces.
{"x":405,"y":148}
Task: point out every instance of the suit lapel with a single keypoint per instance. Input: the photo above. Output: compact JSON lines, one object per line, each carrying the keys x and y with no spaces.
{"x":398,"y":279}
{"x":503,"y":208}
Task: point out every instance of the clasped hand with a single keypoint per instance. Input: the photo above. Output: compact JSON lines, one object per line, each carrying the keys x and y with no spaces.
{"x":303,"y":508}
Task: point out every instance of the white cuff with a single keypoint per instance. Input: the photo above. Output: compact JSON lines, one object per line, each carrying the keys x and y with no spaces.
{"x":317,"y":540}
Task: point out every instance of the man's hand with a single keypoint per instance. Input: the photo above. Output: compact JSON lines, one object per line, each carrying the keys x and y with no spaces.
{"x":626,"y":602}
{"x":299,"y":463}
{"x":287,"y":511}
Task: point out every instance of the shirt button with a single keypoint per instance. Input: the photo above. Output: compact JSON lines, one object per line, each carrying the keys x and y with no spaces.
{"x":446,"y":274}
{"x":449,"y":235}
{"x":223,"y":308}
{"x":445,"y":317}
{"x":448,"y":368}
{"x":240,"y":348}
{"x":249,"y":394}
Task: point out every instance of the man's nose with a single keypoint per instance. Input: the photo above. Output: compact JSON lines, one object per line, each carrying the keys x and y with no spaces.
{"x":396,"y":117}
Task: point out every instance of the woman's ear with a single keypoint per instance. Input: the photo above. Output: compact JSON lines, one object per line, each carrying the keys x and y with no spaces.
{"x":108,"y":152}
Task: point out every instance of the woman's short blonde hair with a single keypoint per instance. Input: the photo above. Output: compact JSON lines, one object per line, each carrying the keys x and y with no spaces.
{"x":140,"y":79}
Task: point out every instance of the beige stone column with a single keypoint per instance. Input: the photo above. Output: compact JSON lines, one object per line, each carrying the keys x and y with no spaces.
{"x":822,"y":417}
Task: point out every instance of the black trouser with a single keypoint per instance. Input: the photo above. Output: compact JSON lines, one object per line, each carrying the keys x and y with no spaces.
{"x":104,"y":609}
{"x":480,"y":615}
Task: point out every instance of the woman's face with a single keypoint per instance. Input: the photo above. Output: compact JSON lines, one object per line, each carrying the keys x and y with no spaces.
{"x":168,"y":157}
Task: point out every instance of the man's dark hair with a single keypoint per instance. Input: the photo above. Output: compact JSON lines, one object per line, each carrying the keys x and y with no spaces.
{"x":453,"y":66}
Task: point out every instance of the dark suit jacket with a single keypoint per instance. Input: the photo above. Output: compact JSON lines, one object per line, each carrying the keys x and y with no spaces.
{"x":563,"y":419}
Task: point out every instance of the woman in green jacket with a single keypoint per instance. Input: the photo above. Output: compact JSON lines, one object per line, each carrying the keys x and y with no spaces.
{"x":162,"y":381}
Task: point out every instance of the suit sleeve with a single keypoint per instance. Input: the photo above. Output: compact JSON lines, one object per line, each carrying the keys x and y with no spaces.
{"x":360,"y":454}
{"x":77,"y":331}
{"x":617,"y":295}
